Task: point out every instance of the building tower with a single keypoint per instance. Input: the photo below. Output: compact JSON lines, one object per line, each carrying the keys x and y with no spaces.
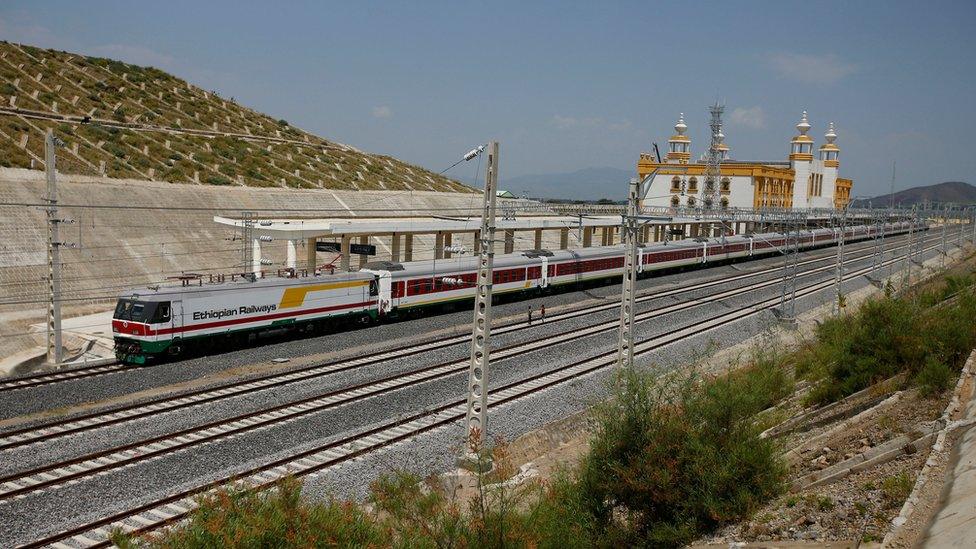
{"x":679,"y":146}
{"x":801,"y":160}
{"x":829,"y":153}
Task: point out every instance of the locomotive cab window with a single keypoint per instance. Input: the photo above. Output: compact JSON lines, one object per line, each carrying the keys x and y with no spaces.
{"x":136,"y":311}
{"x":162,"y":313}
{"x":374,"y":288}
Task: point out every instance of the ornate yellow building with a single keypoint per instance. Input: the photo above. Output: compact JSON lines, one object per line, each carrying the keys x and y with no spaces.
{"x":744,"y":184}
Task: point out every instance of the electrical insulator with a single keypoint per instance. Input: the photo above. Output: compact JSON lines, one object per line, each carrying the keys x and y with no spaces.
{"x":265,"y":238}
{"x":474,"y":152}
{"x":266,"y":262}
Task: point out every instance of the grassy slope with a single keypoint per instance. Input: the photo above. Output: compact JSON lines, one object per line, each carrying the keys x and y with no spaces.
{"x":123,"y":101}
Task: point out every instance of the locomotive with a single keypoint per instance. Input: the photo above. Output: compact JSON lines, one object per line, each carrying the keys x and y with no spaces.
{"x":167,"y":320}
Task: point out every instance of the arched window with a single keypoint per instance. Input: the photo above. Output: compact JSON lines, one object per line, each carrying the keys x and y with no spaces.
{"x":726,"y":184}
{"x":725,"y":203}
{"x":675,"y":201}
{"x":675,"y":184}
{"x":691,"y":200}
{"x":693,"y":184}
{"x":708,"y":202}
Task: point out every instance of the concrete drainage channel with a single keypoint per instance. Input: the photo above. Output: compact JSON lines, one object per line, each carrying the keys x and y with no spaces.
{"x":175,"y":506}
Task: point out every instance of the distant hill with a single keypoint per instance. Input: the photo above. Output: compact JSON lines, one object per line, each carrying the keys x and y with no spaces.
{"x":950,"y":191}
{"x":127,"y":121}
{"x":584,"y":184}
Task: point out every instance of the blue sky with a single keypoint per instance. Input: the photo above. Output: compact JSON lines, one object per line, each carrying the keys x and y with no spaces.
{"x":566,"y":85}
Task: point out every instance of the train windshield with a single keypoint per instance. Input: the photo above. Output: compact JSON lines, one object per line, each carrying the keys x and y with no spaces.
{"x":142,"y":311}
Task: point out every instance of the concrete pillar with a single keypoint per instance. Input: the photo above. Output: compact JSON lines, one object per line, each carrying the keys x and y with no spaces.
{"x":408,"y":248}
{"x":587,"y":237}
{"x":564,"y":238}
{"x":310,"y":256}
{"x":291,"y":260}
{"x":395,"y":248}
{"x":439,"y":246}
{"x":256,"y":257}
{"x":509,"y":241}
{"x":344,"y":250}
{"x":448,"y":240}
{"x":363,"y":257}
{"x":477,"y":242}
{"x":538,"y":239}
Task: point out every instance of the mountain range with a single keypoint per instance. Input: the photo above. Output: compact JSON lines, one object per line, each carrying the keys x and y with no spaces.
{"x":584,"y":184}
{"x":950,"y":191}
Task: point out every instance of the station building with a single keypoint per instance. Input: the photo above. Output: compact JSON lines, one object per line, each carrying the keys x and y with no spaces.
{"x":800,"y":181}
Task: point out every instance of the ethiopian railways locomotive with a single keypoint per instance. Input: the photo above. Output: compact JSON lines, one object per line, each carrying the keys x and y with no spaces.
{"x":165,"y":321}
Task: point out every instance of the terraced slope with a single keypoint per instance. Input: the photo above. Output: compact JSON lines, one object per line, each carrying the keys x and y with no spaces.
{"x":127,"y":121}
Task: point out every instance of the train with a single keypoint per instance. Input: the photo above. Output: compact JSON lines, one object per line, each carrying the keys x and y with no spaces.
{"x":165,"y":321}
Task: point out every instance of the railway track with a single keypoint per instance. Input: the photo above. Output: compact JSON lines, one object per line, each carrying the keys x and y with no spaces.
{"x":40,"y":478}
{"x":177,"y":505}
{"x":59,"y":428}
{"x":71,"y":374}
{"x":74,"y":374}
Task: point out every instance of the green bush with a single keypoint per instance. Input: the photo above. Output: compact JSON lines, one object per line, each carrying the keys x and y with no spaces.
{"x":218,"y":180}
{"x":887,"y":337}
{"x":935,"y":377}
{"x":239,"y":518}
{"x":674,"y":457}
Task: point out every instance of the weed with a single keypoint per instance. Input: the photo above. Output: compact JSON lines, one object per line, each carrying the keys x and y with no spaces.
{"x":897,"y":488}
{"x":824,"y":503}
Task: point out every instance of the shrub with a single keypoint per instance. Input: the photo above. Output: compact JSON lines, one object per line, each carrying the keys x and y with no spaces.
{"x":240,"y":518}
{"x":676,"y":456}
{"x":218,"y":180}
{"x":935,"y":377}
{"x":891,"y":336}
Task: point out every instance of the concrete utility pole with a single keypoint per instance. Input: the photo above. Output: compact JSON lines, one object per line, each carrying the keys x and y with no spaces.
{"x":839,"y":276}
{"x":630,"y":236}
{"x":907,"y":275}
{"x":973,"y":214}
{"x":54,"y":348}
{"x":625,"y":347}
{"x":786,"y":312}
{"x":477,"y":414}
{"x":945,"y":244}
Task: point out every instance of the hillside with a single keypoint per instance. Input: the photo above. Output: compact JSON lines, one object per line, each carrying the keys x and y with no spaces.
{"x":950,"y":191}
{"x":126,"y":121}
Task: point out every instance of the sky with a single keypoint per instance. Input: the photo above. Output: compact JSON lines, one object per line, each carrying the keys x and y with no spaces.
{"x":565,"y":85}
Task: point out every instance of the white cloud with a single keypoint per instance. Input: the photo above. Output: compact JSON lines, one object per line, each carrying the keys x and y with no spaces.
{"x":752,"y":117}
{"x":382,"y":111}
{"x":811,"y":69}
{"x":131,"y":53}
{"x":570,"y":122}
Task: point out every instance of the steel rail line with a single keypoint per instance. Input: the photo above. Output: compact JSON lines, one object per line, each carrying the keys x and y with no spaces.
{"x":55,"y":474}
{"x":59,"y":428}
{"x":177,"y":506}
